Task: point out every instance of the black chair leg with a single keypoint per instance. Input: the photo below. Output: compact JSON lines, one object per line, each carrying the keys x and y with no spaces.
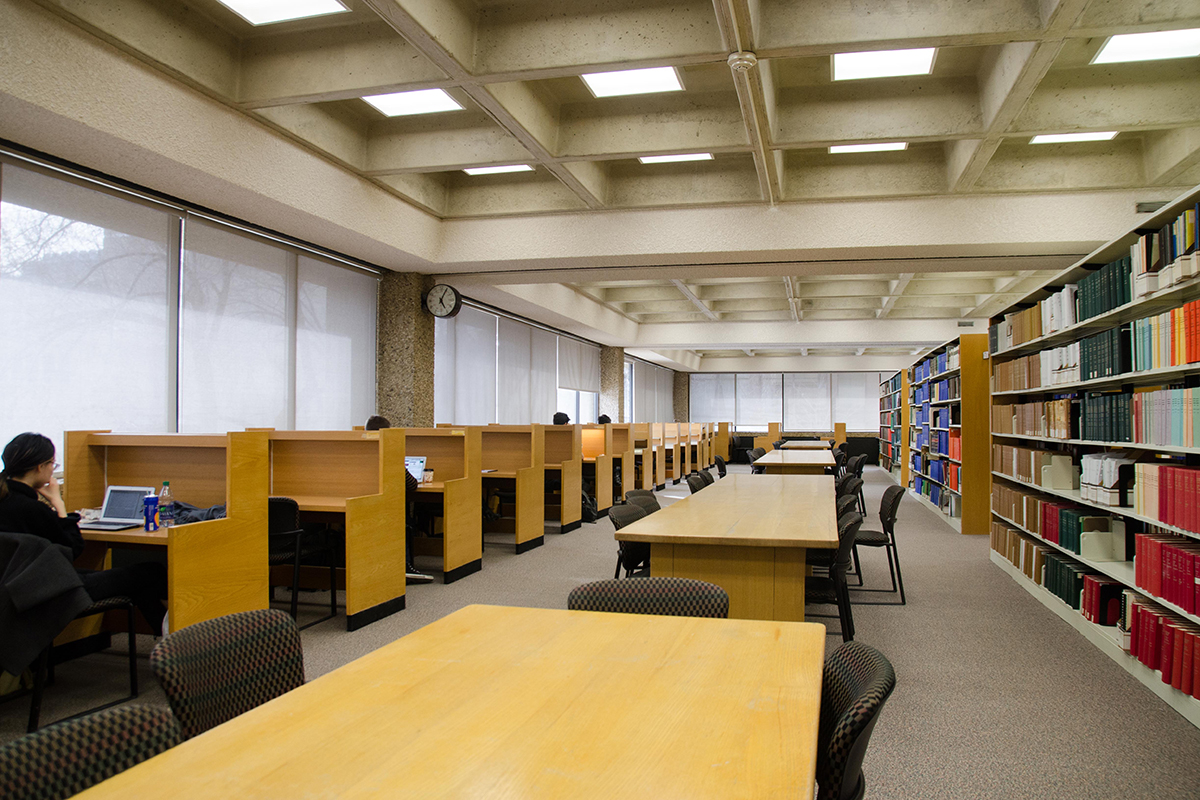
{"x":857,"y":566}
{"x":333,"y":589}
{"x":899,"y":577}
{"x":39,"y":685}
{"x":133,"y":676}
{"x":296,"y":581}
{"x":617,"y":574}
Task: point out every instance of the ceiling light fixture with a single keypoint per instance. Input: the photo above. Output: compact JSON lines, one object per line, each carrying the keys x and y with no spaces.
{"x":633,"y":81}
{"x":265,"y":12}
{"x":1153,"y":46}
{"x":680,"y":157}
{"x":882,"y":64}
{"x":1060,"y":138}
{"x":868,"y":148}
{"x":498,"y":170}
{"x":403,"y":104}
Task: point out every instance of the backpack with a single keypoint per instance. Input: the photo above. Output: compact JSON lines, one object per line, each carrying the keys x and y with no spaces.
{"x":588,"y":508}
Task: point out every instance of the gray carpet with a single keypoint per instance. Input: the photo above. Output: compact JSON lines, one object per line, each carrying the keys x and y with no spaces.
{"x":996,"y":697}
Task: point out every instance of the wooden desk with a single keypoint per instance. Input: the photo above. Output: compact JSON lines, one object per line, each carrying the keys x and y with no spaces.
{"x":513,"y":459}
{"x":748,"y":535}
{"x":797,"y":462}
{"x":526,"y":703}
{"x":215,"y":567}
{"x":564,"y":457}
{"x":808,"y":444}
{"x":357,"y":478}
{"x":597,"y":448}
{"x":623,"y":459}
{"x":455,"y":456}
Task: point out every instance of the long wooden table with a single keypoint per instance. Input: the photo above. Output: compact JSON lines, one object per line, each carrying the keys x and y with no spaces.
{"x":530,"y":703}
{"x":748,"y":534}
{"x":807,"y":444}
{"x":796,"y":462}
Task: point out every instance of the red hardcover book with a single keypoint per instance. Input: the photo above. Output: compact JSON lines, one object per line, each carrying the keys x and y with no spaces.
{"x":1164,"y":494}
{"x":1139,"y":560}
{"x":1195,"y":669}
{"x":1177,"y":658}
{"x":1166,"y":645}
{"x":1187,"y":679}
{"x":1135,"y":629}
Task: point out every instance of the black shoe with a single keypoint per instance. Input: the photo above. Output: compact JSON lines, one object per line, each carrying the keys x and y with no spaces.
{"x":413,"y":575}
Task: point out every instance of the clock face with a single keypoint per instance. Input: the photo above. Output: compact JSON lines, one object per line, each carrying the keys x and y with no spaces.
{"x":442,"y":301}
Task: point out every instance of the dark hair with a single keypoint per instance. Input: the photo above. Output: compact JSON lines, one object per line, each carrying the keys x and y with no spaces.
{"x":604,"y":420}
{"x":376,"y":422}
{"x":23,"y":454}
{"x":560,"y":418}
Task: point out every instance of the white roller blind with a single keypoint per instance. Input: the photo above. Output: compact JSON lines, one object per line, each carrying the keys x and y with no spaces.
{"x":711,"y":398}
{"x":235,"y":340}
{"x":474,"y":367}
{"x":666,"y":395}
{"x":578,"y":365}
{"x":335,"y":346}
{"x":856,"y":400}
{"x":443,"y":371}
{"x":759,"y":399}
{"x":512,"y":373}
{"x":84,"y":301}
{"x":543,"y":375}
{"x":806,"y":402}
{"x":645,"y":393}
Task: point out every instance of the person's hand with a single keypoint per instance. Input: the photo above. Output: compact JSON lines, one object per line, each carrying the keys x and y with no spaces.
{"x":53,"y":495}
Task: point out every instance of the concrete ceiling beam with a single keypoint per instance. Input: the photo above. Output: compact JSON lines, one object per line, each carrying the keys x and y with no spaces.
{"x":1050,"y":168}
{"x":431,"y":146}
{"x":425,"y":191}
{"x":327,"y":64}
{"x":813,"y":362}
{"x":696,"y":301}
{"x":685,"y":122}
{"x":1169,"y":154}
{"x":762,"y":335}
{"x":896,"y":290}
{"x":334,"y":132}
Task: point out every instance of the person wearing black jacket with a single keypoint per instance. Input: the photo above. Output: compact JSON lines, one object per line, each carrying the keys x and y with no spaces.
{"x":30,"y":502}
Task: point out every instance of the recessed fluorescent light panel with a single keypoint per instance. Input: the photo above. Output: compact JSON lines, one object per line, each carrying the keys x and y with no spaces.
{"x":882,"y":64}
{"x":1060,"y":138}
{"x":402,"y":104}
{"x":633,"y":81}
{"x":868,"y":148}
{"x":264,"y":12}
{"x":680,"y":157}
{"x":498,"y":170}
{"x":1154,"y":46}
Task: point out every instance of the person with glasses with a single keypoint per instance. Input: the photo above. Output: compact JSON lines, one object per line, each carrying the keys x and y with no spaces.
{"x":30,"y":502}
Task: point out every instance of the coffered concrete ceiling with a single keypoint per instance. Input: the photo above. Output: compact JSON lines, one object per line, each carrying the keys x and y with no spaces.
{"x":774,"y":243}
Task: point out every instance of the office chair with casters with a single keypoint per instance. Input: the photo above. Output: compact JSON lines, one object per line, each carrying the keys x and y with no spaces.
{"x":832,"y":589}
{"x":648,"y":503}
{"x":633,"y":556}
{"x":856,"y":682}
{"x":290,"y":545}
{"x":695,"y":483}
{"x":720,"y":466}
{"x":63,"y":759}
{"x":214,"y":670}
{"x":889,"y":507}
{"x":43,"y":668}
{"x":671,"y":597}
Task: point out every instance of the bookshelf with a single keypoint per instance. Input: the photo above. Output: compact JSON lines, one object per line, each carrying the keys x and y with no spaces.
{"x":1095,"y":419}
{"x":948,"y":428}
{"x":893,"y":425}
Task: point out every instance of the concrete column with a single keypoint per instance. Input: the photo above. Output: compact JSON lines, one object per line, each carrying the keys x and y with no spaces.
{"x":682,"y":396}
{"x":404,"y":351}
{"x":612,"y":383}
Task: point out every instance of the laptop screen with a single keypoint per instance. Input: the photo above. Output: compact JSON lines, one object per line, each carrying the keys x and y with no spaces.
{"x":415,"y":466}
{"x":123,"y":503}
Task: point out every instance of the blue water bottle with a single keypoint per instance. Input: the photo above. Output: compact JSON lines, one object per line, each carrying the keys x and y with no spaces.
{"x":150,"y":512}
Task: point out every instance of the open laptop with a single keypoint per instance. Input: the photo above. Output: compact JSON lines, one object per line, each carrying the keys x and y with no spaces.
{"x":122,"y":509}
{"x":415,"y":466}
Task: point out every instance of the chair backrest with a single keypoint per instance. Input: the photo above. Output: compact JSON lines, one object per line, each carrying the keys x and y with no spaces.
{"x":857,"y":680}
{"x":889,"y":507}
{"x":649,"y":504}
{"x":856,"y":464}
{"x":217,"y":669}
{"x":695,"y":483}
{"x":626,"y":514}
{"x":720,"y":465}
{"x":283,"y":515}
{"x":777,"y":444}
{"x":848,"y":525}
{"x":63,"y":759}
{"x":707,"y":477}
{"x":638,"y":493}
{"x":841,"y":485}
{"x":845,"y":503}
{"x":671,"y":597}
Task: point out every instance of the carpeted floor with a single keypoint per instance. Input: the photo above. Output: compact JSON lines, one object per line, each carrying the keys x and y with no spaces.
{"x":996,"y":697}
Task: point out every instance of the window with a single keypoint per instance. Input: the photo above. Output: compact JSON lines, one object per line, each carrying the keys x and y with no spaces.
{"x":582,"y":407}
{"x":856,"y":400}
{"x":759,"y":399}
{"x":807,"y":405}
{"x":711,"y":398}
{"x":802,"y":401}
{"x":628,"y":392}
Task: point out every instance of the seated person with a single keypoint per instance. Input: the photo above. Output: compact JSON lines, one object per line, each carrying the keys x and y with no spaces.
{"x":376,"y":422}
{"x":30,"y":502}
{"x":561,"y":419}
{"x":603,"y":420}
